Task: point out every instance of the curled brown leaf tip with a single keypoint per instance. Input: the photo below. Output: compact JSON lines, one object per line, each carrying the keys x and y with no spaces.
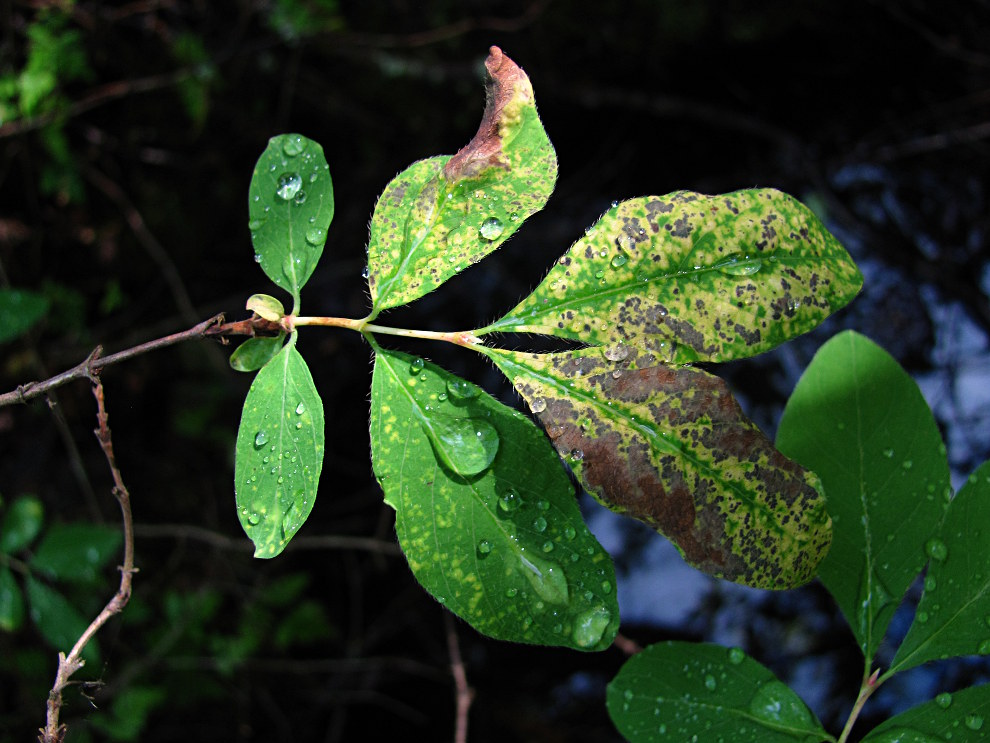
{"x":508,"y":89}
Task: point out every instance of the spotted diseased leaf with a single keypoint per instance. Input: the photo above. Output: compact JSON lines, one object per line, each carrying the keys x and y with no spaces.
{"x":690,"y":277}
{"x":485,"y":514}
{"x":962,"y":717}
{"x":671,"y":447}
{"x":290,"y":205}
{"x":953,"y":616}
{"x":688,"y":691}
{"x":445,"y":213}
{"x":860,"y":422}
{"x":279,"y":452}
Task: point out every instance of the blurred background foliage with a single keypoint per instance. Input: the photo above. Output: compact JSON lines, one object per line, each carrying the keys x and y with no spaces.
{"x":128,"y":132}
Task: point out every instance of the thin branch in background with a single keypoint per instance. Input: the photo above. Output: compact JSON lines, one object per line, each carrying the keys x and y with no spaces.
{"x":464,"y":694}
{"x":627,"y":646}
{"x":53,"y":732}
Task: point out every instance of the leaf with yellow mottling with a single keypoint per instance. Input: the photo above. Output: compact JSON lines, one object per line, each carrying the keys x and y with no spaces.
{"x":491,"y":530}
{"x":672,"y":448}
{"x":443,"y":214}
{"x":690,"y":277}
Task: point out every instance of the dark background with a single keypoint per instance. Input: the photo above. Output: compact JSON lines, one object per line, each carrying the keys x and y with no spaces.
{"x":876,"y":113}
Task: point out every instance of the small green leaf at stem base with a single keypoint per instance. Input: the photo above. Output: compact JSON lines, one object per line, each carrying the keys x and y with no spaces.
{"x":485,"y":514}
{"x":254,"y":353}
{"x":697,"y":691}
{"x":689,"y":277}
{"x":858,"y":420}
{"x":279,"y":452}
{"x":671,"y":447}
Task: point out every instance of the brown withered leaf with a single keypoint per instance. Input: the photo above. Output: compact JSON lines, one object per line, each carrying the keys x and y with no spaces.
{"x":671,"y":447}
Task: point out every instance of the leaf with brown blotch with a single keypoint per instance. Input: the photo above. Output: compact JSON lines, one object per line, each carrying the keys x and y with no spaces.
{"x":671,"y":447}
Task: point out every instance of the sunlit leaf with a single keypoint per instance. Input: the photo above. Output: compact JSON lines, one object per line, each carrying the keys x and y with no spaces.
{"x":254,"y":353}
{"x":11,"y":602}
{"x":962,"y":717}
{"x":59,"y":622}
{"x":953,"y":617}
{"x":860,"y":422}
{"x":690,"y":277}
{"x":21,"y":524}
{"x":671,"y":447}
{"x":279,"y":452}
{"x":76,"y":552}
{"x":441,"y":215}
{"x":290,"y":205}
{"x":19,"y":311}
{"x":492,"y":531}
{"x":696,"y":691}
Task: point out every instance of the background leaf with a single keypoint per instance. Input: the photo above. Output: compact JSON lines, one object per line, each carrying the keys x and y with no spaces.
{"x":11,"y":602}
{"x":21,"y":524}
{"x":691,"y":277}
{"x":859,"y":421}
{"x":290,"y":205}
{"x":697,"y":691}
{"x":442,"y":214}
{"x":953,"y":616}
{"x":279,"y":452}
{"x":59,"y":622}
{"x":962,"y":717}
{"x":672,"y":448}
{"x":19,"y":311}
{"x":76,"y":552}
{"x":503,"y":546}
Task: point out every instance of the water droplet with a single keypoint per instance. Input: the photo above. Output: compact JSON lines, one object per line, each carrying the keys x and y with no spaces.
{"x":256,"y":224}
{"x":365,"y":272}
{"x":288,"y":185}
{"x":442,"y":397}
{"x":902,"y":735}
{"x":466,"y":445}
{"x":484,"y":548}
{"x":543,"y":505}
{"x":416,"y":365}
{"x":577,"y":455}
{"x":300,"y":408}
{"x":293,"y":145}
{"x":538,"y":405}
{"x":511,"y":592}
{"x":922,"y":617}
{"x":509,"y":501}
{"x":548,"y":546}
{"x":260,"y":439}
{"x":589,"y":626}
{"x":617,"y":352}
{"x":460,"y":390}
{"x":936,"y":549}
{"x":547,"y":578}
{"x":906,"y":464}
{"x":944,"y":700}
{"x":540,"y":524}
{"x":316,"y":236}
{"x":618,"y":261}
{"x":257,"y":258}
{"x":736,"y":656}
{"x":984,"y":648}
{"x":299,"y":198}
{"x":569,"y":532}
{"x":974,"y":722}
{"x":710,"y":682}
{"x":491,"y":228}
{"x":606,"y":586}
{"x":740,"y":266}
{"x":930,"y":583}
{"x":774,"y":702}
{"x":294,"y":267}
{"x":889,"y":453}
{"x":254,"y":518}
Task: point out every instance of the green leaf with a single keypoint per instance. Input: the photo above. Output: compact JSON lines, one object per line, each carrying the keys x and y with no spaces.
{"x":11,"y":602}
{"x":953,"y":616}
{"x":672,"y":448}
{"x":59,"y":622}
{"x":266,"y":306}
{"x":690,"y":278}
{"x":21,"y":524}
{"x":129,"y":711}
{"x":76,"y":552}
{"x":963,"y":717}
{"x":493,"y":531}
{"x":254,"y":353}
{"x":442,"y":214}
{"x":290,"y":205}
{"x":859,"y":421}
{"x":698,"y":691}
{"x":279,"y":452}
{"x":19,"y":311}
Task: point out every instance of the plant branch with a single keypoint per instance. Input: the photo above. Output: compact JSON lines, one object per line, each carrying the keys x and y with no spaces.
{"x":53,"y":732}
{"x":460,"y":337}
{"x":464,"y":694}
{"x":869,"y":685}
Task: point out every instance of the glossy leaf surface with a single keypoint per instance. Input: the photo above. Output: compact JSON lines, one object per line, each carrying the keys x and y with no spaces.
{"x":690,"y":277}
{"x":672,"y":448}
{"x":442,"y":214}
{"x":499,"y":541}
{"x":859,"y":421}
{"x":254,"y":353}
{"x":76,"y":552}
{"x":953,"y":616}
{"x":290,"y":205}
{"x":19,"y":311}
{"x":58,"y":621}
{"x":279,"y":452}
{"x":962,"y":717}
{"x":22,"y":522}
{"x":696,"y":691}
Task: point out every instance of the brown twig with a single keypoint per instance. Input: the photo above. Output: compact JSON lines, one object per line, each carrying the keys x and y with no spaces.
{"x":464,"y":694}
{"x":96,"y":362}
{"x":53,"y":732}
{"x":627,"y":646}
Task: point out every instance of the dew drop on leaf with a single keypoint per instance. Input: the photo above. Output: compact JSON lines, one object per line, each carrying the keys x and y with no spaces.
{"x":260,"y":439}
{"x":256,"y":224}
{"x":984,"y":648}
{"x":300,"y":408}
{"x":416,"y":366}
{"x":548,"y":546}
{"x":461,"y":390}
{"x":577,"y":455}
{"x":889,"y":453}
{"x":299,"y":198}
{"x":589,"y":626}
{"x":491,"y":228}
{"x":944,"y":700}
{"x":569,"y":532}
{"x":936,"y":549}
{"x":293,"y":145}
{"x":618,"y":261}
{"x":540,"y":524}
{"x":538,"y":405}
{"x":974,"y":722}
{"x":774,"y":702}
{"x":617,"y":352}
{"x":741,"y":266}
{"x":710,"y":682}
{"x":466,"y":445}
{"x":316,"y":236}
{"x":546,"y":578}
{"x":509,"y":501}
{"x":484,"y":548}
{"x":287,"y":186}
{"x":736,"y":656}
